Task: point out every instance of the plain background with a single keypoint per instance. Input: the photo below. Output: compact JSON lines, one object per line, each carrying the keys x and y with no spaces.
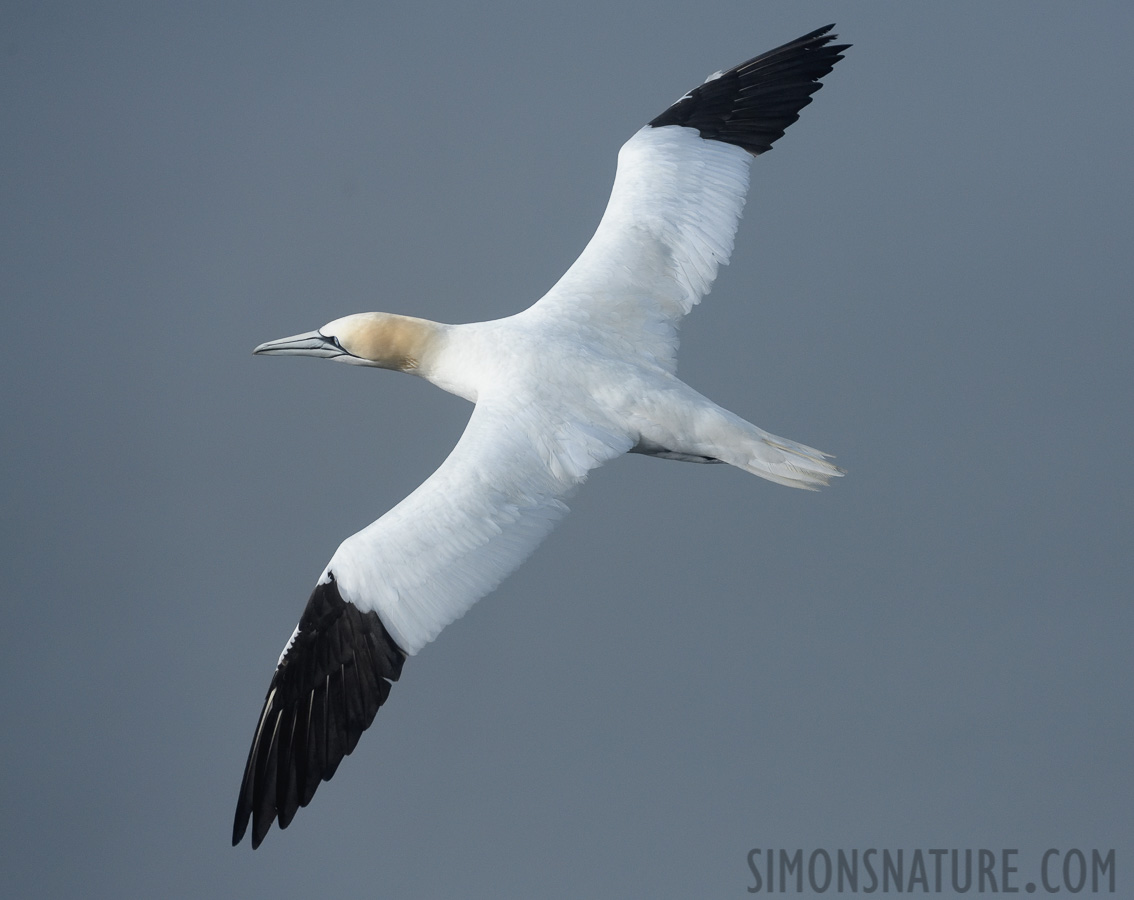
{"x":932,"y":281}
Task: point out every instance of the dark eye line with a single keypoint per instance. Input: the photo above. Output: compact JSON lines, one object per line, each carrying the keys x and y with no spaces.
{"x":333,"y":338}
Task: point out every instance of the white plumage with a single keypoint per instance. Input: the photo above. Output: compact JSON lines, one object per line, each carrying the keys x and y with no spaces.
{"x":584,"y":375}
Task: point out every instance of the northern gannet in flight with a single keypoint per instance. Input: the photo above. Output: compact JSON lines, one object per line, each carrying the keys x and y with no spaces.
{"x":582,"y":376}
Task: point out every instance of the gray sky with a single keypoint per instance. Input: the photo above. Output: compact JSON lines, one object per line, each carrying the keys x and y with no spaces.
{"x":932,"y":281}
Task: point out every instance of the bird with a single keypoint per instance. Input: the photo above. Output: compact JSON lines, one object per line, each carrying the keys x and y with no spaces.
{"x":584,"y":375}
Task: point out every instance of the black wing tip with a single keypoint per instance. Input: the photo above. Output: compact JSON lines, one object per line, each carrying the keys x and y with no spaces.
{"x":752,"y":104}
{"x":325,"y":692}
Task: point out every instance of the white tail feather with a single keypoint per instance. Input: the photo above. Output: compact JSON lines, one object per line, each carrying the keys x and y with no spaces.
{"x":791,"y":464}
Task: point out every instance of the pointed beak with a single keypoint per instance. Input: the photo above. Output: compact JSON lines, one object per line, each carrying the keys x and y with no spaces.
{"x":312,"y":343}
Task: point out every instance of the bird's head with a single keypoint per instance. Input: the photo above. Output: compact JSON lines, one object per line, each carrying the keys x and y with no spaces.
{"x":364,"y":339}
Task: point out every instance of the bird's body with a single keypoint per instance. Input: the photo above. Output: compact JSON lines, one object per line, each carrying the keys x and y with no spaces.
{"x":586,"y":374}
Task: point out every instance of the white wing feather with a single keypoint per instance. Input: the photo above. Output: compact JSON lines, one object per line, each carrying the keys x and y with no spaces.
{"x":473,"y":521}
{"x":669,"y":225}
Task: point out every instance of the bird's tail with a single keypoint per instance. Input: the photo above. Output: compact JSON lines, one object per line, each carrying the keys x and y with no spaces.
{"x":687,"y":425}
{"x":788,"y":462}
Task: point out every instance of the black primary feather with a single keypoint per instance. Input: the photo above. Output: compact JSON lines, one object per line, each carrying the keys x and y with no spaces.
{"x":324,"y":694}
{"x":752,"y":104}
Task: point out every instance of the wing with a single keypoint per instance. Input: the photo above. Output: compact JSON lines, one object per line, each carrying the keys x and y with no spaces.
{"x":474,"y":520}
{"x":330,"y":680}
{"x":389,"y":589}
{"x":677,"y":199}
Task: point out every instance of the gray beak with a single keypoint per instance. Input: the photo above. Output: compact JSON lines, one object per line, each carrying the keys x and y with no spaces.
{"x":311,"y":343}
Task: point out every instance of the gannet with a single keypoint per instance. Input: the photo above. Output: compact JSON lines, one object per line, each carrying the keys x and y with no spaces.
{"x":586,"y":374}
